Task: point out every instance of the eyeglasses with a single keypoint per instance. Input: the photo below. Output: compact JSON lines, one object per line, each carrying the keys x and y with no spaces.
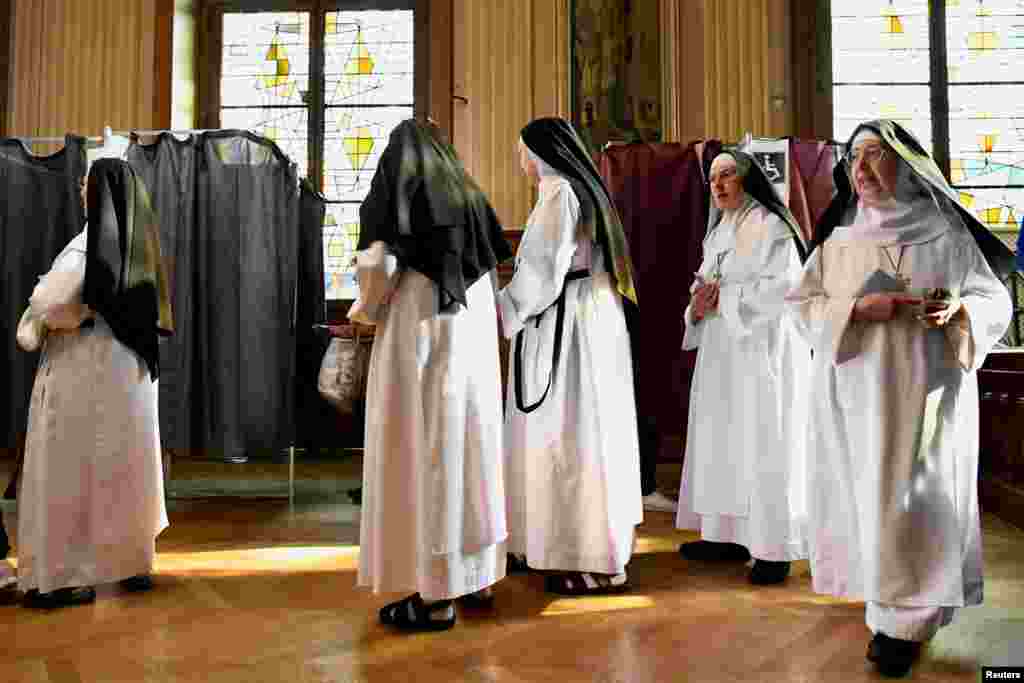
{"x":871,"y":154}
{"x":725,"y":175}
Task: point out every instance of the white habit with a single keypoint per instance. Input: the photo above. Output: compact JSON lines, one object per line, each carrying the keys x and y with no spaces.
{"x":91,"y":498}
{"x":893,"y":433}
{"x":743,"y":468}
{"x":433,"y":511}
{"x":573,"y":465}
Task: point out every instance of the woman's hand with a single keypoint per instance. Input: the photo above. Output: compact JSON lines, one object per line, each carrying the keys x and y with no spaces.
{"x":881,"y":307}
{"x":705,"y":299}
{"x":939,"y":314}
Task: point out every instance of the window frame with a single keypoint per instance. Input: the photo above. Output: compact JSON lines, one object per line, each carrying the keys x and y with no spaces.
{"x":939,"y":87}
{"x":210,"y":45}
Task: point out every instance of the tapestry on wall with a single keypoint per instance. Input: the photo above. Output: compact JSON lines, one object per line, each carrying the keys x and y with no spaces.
{"x":616,"y":71}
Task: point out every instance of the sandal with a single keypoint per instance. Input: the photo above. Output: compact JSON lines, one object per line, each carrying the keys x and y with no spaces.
{"x":516,"y":564}
{"x":412,"y":614}
{"x":585,"y":583}
{"x":483,"y":599}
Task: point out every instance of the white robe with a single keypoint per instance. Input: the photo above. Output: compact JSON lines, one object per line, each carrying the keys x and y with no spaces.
{"x":573,"y":465}
{"x":433,"y":511}
{"x":893,"y":438}
{"x":743,"y":468}
{"x":91,"y":498}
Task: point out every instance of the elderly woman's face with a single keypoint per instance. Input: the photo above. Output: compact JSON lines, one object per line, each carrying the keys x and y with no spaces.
{"x":874,"y":169}
{"x":528,"y":165}
{"x":726,"y":186}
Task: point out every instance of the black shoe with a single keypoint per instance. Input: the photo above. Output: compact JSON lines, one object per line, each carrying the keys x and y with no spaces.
{"x":62,"y":597}
{"x":891,"y":656}
{"x":767,"y":572}
{"x":137,"y":584}
{"x":516,"y":564}
{"x":709,"y":551}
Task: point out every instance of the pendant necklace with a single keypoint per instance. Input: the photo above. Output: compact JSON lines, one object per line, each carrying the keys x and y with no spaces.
{"x":897,"y":265}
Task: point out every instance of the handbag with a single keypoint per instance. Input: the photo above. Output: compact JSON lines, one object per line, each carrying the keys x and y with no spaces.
{"x":342,"y":379}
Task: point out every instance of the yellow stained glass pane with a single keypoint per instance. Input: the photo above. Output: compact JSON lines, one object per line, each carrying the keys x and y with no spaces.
{"x":893,"y":25}
{"x":956,"y":170}
{"x":283,"y":67}
{"x":335,"y":248}
{"x":991,"y":215}
{"x":967,"y":199}
{"x":983,"y":40}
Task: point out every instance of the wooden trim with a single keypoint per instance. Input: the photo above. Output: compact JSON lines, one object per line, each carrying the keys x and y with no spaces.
{"x":316,"y":115}
{"x":163,"y":63}
{"x":1002,"y":499}
{"x":6,"y":80}
{"x":939,"y":72}
{"x":438,"y":71}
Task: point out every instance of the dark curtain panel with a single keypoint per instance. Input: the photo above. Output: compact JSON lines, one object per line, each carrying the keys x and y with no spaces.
{"x":317,"y":424}
{"x":660,"y":193}
{"x":40,"y":211}
{"x":246,"y":264}
{"x":168,"y":169}
{"x":810,"y":181}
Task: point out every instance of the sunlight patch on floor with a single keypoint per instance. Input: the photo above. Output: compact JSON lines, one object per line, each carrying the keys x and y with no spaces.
{"x":255,"y":561}
{"x":603,"y":603}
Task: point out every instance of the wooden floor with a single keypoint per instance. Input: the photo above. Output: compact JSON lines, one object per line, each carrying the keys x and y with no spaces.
{"x":254,"y":590}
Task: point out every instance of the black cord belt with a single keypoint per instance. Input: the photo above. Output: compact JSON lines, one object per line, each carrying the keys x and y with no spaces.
{"x":556,"y":352}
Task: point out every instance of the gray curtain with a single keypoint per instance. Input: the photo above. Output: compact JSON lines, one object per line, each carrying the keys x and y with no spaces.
{"x":168,"y":169}
{"x":40,"y":211}
{"x":246,"y":233}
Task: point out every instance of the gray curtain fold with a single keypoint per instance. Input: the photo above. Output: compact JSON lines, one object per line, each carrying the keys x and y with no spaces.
{"x":246,"y":275}
{"x":40,"y":212}
{"x":167,"y":168}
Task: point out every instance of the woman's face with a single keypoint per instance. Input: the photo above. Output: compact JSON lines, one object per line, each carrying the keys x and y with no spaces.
{"x":874,"y":169}
{"x":528,"y":165}
{"x":726,"y":185}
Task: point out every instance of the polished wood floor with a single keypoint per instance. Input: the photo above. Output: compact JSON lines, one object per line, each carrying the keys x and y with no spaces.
{"x":254,"y":590}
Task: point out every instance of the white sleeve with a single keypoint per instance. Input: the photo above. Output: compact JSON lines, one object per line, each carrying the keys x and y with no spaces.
{"x":377,"y":274}
{"x":545,"y":256}
{"x":986,"y":313}
{"x":825,"y":322}
{"x":748,"y":306}
{"x":56,"y":302}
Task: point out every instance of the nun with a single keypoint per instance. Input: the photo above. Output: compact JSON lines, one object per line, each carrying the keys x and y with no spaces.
{"x":572,"y":455}
{"x":901,"y":300}
{"x":742,"y":469}
{"x":91,"y":497}
{"x":433,"y":496}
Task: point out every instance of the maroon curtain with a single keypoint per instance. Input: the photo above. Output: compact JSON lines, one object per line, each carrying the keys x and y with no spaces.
{"x":810,"y":181}
{"x":661,"y":195}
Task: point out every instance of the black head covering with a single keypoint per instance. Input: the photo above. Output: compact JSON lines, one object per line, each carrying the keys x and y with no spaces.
{"x":125,"y":280}
{"x":757,"y":186}
{"x":557,"y":144}
{"x":433,"y":215}
{"x":999,"y":256}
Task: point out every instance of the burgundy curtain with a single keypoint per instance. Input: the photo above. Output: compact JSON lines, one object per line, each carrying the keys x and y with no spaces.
{"x":661,"y":195}
{"x":810,"y":181}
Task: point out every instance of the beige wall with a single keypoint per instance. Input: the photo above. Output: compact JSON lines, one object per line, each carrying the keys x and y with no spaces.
{"x":77,"y":65}
{"x":510,"y":65}
{"x":737,"y":66}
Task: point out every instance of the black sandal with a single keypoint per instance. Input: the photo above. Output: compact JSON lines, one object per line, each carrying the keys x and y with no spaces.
{"x":398,"y":614}
{"x":62,"y":597}
{"x":476,"y":601}
{"x":575,"y":583}
{"x":516,"y":564}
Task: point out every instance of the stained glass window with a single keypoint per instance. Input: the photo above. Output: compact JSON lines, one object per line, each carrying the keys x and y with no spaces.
{"x":368,"y":78}
{"x":367,"y":84}
{"x":985,"y":47}
{"x":880,"y":66}
{"x":264,"y":82}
